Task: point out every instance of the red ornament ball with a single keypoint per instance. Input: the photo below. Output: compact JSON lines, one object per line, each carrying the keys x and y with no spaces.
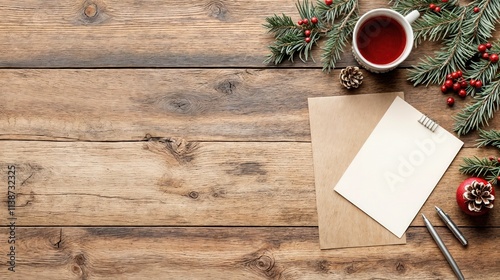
{"x":450,"y":101}
{"x":328,"y":2}
{"x":494,"y":58}
{"x":481,"y":48}
{"x":314,"y":20}
{"x":476,"y":9}
{"x":474,"y":190}
{"x":307,"y":33}
{"x":308,"y":39}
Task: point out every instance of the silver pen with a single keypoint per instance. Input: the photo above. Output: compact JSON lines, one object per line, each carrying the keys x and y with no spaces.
{"x":451,"y":225}
{"x":443,"y":249}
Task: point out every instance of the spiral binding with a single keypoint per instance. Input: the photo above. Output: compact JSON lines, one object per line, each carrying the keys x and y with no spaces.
{"x":427,"y":122}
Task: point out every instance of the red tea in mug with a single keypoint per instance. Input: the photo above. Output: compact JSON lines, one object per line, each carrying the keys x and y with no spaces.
{"x":381,"y":40}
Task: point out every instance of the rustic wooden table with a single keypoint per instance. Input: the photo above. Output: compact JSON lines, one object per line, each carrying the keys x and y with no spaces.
{"x":149,"y":141}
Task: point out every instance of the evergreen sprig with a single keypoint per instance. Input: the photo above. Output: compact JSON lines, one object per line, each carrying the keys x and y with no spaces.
{"x":486,"y":168}
{"x":481,"y":110}
{"x":489,"y":138}
{"x":335,"y":23}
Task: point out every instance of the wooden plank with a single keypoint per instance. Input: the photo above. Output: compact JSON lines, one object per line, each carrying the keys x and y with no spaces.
{"x":195,"y":104}
{"x":130,"y":33}
{"x":238,"y":253}
{"x":175,"y":182}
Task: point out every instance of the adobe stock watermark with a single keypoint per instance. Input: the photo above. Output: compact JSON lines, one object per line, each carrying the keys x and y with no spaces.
{"x":407,"y":164}
{"x":371,"y":28}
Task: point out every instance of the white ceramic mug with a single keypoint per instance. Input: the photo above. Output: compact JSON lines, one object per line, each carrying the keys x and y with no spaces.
{"x":382,"y":39}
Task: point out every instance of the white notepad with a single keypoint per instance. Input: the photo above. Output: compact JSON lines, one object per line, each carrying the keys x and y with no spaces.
{"x":398,"y":167}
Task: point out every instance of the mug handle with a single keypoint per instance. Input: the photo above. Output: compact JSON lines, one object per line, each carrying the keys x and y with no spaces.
{"x":411,"y":17}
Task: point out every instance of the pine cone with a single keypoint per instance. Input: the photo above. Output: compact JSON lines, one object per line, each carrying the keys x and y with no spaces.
{"x":351,"y":77}
{"x":478,"y":195}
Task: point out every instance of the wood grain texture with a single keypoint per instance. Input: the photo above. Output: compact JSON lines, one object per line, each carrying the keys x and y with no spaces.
{"x":194,"y":104}
{"x":174,"y":182}
{"x":240,"y":253}
{"x":131,"y":33}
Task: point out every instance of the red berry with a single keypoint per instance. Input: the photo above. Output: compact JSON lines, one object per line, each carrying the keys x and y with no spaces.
{"x":481,"y":48}
{"x":448,"y":83}
{"x":491,"y":158}
{"x":485,"y":55}
{"x":328,"y":2}
{"x":437,"y":9}
{"x":305,"y":21}
{"x":494,"y":58}
{"x":314,"y":20}
{"x":432,"y":6}
{"x":454,"y":75}
{"x":449,"y":77}
{"x":488,"y":45}
{"x":444,"y":1}
{"x":479,"y":84}
{"x":476,"y":9}
{"x":463,"y":84}
{"x":473,"y":83}
{"x":300,"y":22}
{"x":459,"y":73}
{"x":307,"y":33}
{"x":308,"y":39}
{"x":457,"y":87}
{"x":450,"y":101}
{"x":462,"y":93}
{"x":498,"y":159}
{"x":444,"y":89}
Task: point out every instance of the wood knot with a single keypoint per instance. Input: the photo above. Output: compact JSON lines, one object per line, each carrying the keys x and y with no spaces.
{"x":350,"y":269}
{"x":80,"y":259}
{"x":226,"y":87}
{"x":400,"y":267}
{"x":182,"y":150}
{"x":323,"y":266}
{"x":218,"y":10}
{"x":90,"y":10}
{"x":193,"y":194}
{"x":263,"y":264}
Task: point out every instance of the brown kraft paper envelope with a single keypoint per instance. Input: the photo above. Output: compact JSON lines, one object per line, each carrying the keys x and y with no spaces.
{"x":340,"y":126}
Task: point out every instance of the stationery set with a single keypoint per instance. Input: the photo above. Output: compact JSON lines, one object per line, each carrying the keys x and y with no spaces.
{"x":376,"y":160}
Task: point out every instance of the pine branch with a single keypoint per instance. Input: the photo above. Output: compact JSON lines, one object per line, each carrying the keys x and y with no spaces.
{"x":452,"y":57}
{"x":483,"y":70}
{"x":478,"y":113}
{"x":280,"y":25}
{"x":434,"y":27}
{"x":485,"y":168}
{"x":489,"y":138}
{"x":337,"y":38}
{"x":404,"y":6}
{"x":481,"y":25}
{"x":336,"y":10}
